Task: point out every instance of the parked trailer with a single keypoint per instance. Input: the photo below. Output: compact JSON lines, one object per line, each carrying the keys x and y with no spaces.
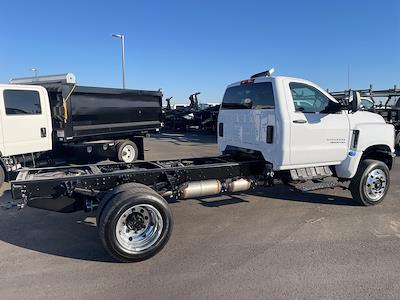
{"x":200,"y":116}
{"x":389,"y":109}
{"x":268,"y":128}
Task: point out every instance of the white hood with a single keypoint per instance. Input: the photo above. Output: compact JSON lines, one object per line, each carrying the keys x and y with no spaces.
{"x":364,"y":117}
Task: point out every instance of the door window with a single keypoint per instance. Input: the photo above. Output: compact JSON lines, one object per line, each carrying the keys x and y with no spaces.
{"x":20,"y":102}
{"x":308,"y":99}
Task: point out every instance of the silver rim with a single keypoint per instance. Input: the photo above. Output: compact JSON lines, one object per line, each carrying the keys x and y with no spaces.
{"x":128,"y":153}
{"x":139,"y":228}
{"x":375,"y":184}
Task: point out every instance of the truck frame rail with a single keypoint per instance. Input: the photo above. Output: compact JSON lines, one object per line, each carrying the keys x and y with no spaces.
{"x":165,"y":177}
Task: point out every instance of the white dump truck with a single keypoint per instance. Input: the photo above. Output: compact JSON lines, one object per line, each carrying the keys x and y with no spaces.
{"x":270,"y":129}
{"x":51,"y":120}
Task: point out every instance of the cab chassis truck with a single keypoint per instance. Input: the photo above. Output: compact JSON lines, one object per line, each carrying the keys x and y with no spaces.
{"x":268,"y":128}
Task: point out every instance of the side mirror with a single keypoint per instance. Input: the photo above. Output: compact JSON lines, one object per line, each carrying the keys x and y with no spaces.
{"x":356,"y":102}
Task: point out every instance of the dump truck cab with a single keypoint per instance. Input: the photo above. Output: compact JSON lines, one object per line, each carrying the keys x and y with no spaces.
{"x":25,"y":116}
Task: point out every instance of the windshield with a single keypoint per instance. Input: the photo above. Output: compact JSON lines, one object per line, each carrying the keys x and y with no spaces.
{"x":249,"y":96}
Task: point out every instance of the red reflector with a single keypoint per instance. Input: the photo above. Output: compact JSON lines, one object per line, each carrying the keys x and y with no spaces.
{"x":247,"y":81}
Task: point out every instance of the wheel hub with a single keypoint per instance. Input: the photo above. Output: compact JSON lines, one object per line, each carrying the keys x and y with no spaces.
{"x":135,"y":222}
{"x":138,"y":228}
{"x":375,"y":184}
{"x":128,"y":153}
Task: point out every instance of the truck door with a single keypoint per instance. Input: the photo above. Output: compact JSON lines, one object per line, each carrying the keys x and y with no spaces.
{"x":319,"y":128}
{"x":26,"y":120}
{"x":247,"y":117}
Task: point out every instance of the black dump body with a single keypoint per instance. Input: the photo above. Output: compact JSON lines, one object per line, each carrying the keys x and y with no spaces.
{"x":82,"y":113}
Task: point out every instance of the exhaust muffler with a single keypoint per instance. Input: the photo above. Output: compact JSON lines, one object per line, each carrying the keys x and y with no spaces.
{"x":212,"y":187}
{"x":200,"y":188}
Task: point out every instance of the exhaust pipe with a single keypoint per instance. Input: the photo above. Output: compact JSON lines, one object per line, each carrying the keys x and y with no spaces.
{"x":212,"y":187}
{"x":200,"y":188}
{"x":239,"y":185}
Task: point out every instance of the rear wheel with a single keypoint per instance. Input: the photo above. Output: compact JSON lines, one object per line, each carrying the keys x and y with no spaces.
{"x":127,"y":151}
{"x":371,"y":182}
{"x":135,"y":223}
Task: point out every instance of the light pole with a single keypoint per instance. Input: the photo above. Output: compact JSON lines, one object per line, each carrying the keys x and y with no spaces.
{"x":122,"y":37}
{"x":34,"y":70}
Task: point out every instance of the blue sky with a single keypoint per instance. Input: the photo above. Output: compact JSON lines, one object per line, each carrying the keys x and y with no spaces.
{"x":188,"y":46}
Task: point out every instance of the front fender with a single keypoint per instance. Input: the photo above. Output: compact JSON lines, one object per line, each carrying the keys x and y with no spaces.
{"x":371,"y":134}
{"x":379,"y":136}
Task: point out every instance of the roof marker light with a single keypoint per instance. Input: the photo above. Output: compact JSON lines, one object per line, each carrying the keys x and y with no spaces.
{"x":267,"y":73}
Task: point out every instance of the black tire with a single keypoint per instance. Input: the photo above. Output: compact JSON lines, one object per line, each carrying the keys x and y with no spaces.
{"x":112,"y":193}
{"x":2,"y":176}
{"x":121,"y":149}
{"x":364,"y":191}
{"x":120,"y":204}
{"x":397,"y":141}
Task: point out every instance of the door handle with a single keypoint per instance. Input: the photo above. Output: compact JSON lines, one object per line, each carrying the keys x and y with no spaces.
{"x":270,"y":134}
{"x":43,"y":132}
{"x":300,"y":121}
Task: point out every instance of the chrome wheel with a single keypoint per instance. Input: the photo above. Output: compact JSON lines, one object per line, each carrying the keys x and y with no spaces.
{"x":375,"y":184}
{"x":139,"y":228}
{"x":128,"y":154}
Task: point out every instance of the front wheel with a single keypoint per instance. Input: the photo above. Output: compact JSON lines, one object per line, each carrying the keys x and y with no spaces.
{"x":2,"y":176}
{"x":135,"y":223}
{"x":397,"y":141}
{"x":371,"y":183}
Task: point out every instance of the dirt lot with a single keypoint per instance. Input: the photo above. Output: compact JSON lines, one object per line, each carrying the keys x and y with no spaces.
{"x":271,"y":243}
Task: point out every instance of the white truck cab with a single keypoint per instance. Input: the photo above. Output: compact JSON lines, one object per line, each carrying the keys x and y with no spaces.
{"x":298,"y":127}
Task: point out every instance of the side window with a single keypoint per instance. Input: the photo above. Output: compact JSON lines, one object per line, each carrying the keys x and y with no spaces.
{"x":308,"y":99}
{"x":19,"y":102}
{"x":249,"y":96}
{"x":367,"y":103}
